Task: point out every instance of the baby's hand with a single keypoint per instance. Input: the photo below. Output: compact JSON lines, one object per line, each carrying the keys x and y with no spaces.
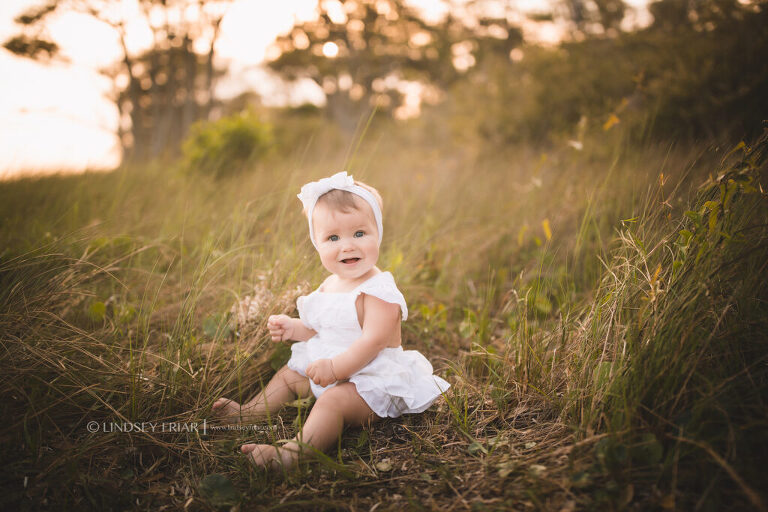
{"x":280,"y":327}
{"x":321,"y":372}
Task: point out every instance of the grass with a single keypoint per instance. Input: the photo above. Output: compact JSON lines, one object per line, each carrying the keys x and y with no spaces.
{"x":602,"y":326}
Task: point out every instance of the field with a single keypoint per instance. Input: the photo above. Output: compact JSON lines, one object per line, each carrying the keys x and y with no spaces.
{"x":601,"y":315}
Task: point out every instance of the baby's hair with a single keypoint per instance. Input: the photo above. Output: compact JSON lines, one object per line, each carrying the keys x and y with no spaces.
{"x":344,"y":201}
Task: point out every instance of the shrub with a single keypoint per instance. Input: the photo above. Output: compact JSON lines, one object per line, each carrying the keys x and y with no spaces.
{"x":688,"y":83}
{"x":225,"y":147}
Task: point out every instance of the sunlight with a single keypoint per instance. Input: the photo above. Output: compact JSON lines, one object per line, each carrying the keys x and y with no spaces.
{"x":330,"y":50}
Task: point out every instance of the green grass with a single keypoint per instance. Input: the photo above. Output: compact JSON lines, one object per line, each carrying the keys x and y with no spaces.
{"x":603,"y":329}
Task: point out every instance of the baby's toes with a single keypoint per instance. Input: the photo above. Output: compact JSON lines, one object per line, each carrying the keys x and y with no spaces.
{"x":224,"y":406}
{"x":261,"y":454}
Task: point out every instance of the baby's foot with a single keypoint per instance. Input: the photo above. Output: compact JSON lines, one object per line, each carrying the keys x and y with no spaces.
{"x":230,"y":411}
{"x":268,"y":457}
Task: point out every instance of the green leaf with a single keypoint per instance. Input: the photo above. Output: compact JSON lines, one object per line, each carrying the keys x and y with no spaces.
{"x":476,"y":447}
{"x":302,"y":403}
{"x":741,"y":178}
{"x":216,"y":324}
{"x":702,"y":250}
{"x":694,"y":216}
{"x":219,"y":491}
{"x":740,"y":145}
{"x":542,"y":304}
{"x":729,"y":194}
{"x":97,"y":311}
{"x":362,"y":439}
{"x":126,"y":314}
{"x":712,"y":221}
{"x":749,"y":189}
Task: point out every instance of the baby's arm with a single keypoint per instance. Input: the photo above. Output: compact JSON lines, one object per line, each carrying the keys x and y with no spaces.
{"x":380,"y":324}
{"x":283,"y":328}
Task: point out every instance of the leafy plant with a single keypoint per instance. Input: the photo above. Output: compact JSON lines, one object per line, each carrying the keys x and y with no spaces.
{"x":227,"y":146}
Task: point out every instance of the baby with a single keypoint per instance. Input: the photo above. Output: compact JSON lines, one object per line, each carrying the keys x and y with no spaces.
{"x":349,"y":354}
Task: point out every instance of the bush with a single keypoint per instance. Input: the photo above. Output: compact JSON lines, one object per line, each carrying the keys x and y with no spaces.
{"x":685,"y":82}
{"x":225,"y":147}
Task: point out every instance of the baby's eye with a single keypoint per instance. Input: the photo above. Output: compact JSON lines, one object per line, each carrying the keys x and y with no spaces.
{"x":359,"y":234}
{"x":333,"y":238}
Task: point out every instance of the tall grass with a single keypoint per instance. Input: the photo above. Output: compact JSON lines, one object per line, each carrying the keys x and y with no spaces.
{"x":675,"y":345}
{"x":589,"y":326}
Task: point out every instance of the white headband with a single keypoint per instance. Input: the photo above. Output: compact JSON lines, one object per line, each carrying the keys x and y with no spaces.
{"x":312,"y":191}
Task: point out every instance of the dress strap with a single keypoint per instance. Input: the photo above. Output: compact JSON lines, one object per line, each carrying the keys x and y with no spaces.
{"x":382,"y":286}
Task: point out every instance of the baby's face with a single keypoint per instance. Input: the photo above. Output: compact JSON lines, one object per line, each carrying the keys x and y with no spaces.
{"x":348,"y":242}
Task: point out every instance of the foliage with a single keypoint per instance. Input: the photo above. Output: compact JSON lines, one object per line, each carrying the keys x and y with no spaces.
{"x":224,"y":147}
{"x":674,"y":343}
{"x":687,"y":81}
{"x":362,"y":52}
{"x":711,"y":76}
{"x":594,"y":17}
{"x":169,"y":89}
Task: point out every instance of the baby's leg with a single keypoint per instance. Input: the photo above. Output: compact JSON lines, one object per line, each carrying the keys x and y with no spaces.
{"x":336,"y":408}
{"x":283,"y":387}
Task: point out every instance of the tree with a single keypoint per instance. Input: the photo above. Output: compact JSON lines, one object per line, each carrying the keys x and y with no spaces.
{"x":361,"y":52}
{"x":697,"y":72}
{"x":712,"y":78}
{"x":590,"y":17}
{"x":161,"y":91}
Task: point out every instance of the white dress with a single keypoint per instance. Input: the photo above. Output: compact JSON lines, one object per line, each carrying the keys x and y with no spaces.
{"x":397,"y":381}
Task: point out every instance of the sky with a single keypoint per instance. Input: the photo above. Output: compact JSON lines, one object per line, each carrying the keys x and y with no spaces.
{"x":56,"y":117}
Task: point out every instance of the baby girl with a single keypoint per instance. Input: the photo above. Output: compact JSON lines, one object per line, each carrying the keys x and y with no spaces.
{"x":349,"y":354}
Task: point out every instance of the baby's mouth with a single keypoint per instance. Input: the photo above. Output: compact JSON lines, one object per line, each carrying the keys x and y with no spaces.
{"x":350,"y":261}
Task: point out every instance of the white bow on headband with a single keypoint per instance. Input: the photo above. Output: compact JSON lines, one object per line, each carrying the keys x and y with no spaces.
{"x":312,"y":191}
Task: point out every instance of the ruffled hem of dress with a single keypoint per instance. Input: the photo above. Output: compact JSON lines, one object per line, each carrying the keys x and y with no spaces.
{"x":385,"y":403}
{"x":396,"y":382}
